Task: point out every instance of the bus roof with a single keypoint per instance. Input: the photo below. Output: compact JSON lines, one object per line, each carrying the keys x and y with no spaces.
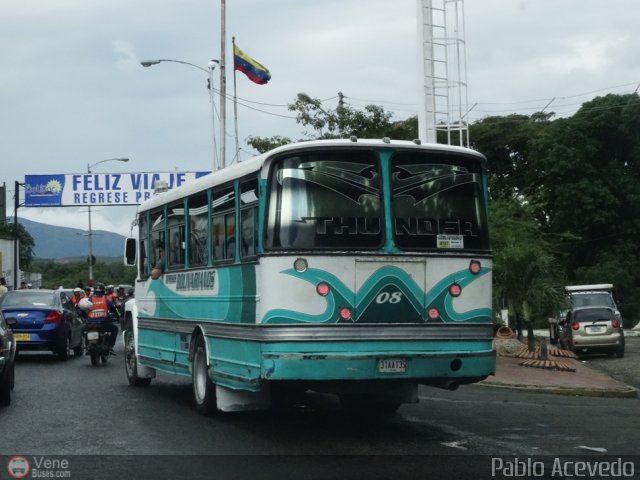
{"x":254,"y":164}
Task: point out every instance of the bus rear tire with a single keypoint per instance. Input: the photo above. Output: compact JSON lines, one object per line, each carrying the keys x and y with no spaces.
{"x":204,"y":390}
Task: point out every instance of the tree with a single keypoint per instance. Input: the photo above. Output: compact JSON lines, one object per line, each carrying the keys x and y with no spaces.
{"x":25,"y":241}
{"x":527,"y":278}
{"x":506,"y":142}
{"x":68,"y":274}
{"x":342,"y":122}
{"x":589,"y":170}
{"x":264,"y":144}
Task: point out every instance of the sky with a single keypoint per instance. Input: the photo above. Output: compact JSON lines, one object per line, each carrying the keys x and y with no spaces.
{"x":73,"y":92}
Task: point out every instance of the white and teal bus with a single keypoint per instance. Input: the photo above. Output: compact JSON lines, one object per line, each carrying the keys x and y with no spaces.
{"x":355,"y":267}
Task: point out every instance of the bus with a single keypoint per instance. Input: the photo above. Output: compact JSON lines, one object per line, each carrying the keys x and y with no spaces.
{"x":359,"y":268}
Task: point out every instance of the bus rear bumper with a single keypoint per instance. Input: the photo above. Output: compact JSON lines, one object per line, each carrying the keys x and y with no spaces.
{"x":441,"y":369}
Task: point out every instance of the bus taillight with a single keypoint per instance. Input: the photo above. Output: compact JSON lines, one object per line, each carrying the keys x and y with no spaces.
{"x":345,"y":313}
{"x":433,"y":313}
{"x":455,"y":290}
{"x":323,"y":289}
{"x":475,"y":267}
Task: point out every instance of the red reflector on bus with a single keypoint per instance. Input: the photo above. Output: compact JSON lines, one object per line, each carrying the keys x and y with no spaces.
{"x":475,"y":267}
{"x":322,"y":289}
{"x":433,"y":313}
{"x":345,"y":313}
{"x":455,"y":290}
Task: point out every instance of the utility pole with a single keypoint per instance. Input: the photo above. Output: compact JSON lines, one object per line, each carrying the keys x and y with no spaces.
{"x":223,"y":87}
{"x":15,"y":234}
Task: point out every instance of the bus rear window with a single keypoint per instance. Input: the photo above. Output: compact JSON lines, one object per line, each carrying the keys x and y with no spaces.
{"x":329,"y":199}
{"x":438,"y":202}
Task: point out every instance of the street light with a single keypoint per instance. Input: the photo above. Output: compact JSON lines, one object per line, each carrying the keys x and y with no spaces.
{"x":209,"y":71}
{"x":90,"y":259}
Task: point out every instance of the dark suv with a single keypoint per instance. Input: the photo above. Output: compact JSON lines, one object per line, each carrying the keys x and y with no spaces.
{"x":7,"y":359}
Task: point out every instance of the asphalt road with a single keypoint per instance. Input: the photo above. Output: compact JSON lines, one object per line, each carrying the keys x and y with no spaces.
{"x":92,"y":416}
{"x":626,"y":369}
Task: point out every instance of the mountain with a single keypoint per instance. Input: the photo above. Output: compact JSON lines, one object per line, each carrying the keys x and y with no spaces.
{"x":54,"y":242}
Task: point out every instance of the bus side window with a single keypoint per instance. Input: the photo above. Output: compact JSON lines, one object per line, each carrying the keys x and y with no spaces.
{"x":249,"y":238}
{"x":176,"y":245}
{"x":198,"y":226}
{"x":143,"y":246}
{"x":249,"y":217}
{"x":223,"y":225}
{"x":157,"y":237}
{"x":217,"y":237}
{"x":230,"y":236}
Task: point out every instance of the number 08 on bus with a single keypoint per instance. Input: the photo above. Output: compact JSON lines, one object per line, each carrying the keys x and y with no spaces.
{"x":359,"y":268}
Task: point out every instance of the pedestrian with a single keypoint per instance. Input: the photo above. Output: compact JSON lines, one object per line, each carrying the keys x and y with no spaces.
{"x":3,"y":287}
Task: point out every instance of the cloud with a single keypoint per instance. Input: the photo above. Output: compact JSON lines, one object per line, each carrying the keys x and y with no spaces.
{"x":126,"y":57}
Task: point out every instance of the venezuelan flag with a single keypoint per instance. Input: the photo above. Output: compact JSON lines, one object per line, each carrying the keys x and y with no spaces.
{"x":256,"y":72}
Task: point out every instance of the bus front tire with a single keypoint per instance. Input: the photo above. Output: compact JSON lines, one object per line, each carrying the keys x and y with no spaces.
{"x":131,"y":362}
{"x":204,"y":390}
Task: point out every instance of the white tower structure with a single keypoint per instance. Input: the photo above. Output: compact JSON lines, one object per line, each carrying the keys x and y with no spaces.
{"x":442,"y":68}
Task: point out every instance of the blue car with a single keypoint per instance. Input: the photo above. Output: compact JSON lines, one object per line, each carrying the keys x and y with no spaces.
{"x":46,"y":320}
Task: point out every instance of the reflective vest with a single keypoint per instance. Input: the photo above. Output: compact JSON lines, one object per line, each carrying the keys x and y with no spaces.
{"x":100,"y":309}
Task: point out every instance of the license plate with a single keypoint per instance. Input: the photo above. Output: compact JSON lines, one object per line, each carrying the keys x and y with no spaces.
{"x":22,"y":337}
{"x":596,"y":329}
{"x":392,"y":365}
{"x":93,"y":335}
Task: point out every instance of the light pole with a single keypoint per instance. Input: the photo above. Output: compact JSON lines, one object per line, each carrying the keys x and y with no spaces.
{"x":90,"y":259}
{"x":209,"y":71}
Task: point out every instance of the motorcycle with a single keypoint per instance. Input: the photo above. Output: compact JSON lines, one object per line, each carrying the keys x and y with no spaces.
{"x":97,"y":342}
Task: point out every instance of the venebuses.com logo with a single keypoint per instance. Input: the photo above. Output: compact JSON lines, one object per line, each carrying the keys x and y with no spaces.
{"x":18,"y":467}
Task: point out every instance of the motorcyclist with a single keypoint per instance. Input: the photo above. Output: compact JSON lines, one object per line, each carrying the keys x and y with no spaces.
{"x":111,"y":294}
{"x":78,"y":295}
{"x":100,"y":308}
{"x":120,"y":299}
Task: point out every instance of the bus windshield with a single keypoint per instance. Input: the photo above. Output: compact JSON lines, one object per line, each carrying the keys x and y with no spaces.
{"x":328,"y":199}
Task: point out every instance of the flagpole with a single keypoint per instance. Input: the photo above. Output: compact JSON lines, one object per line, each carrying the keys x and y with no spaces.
{"x":235,"y":104}
{"x":223,"y":86}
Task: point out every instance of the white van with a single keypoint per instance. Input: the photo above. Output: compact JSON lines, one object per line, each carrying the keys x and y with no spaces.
{"x":598,"y":295}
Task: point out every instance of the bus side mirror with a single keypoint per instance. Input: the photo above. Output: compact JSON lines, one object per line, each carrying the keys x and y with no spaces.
{"x":130,"y":252}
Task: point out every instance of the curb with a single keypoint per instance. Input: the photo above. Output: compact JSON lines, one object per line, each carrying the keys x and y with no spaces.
{"x":628,"y":392}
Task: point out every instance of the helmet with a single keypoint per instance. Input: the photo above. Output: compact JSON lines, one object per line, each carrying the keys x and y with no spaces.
{"x":109,"y":287}
{"x":77,"y":290}
{"x":99,"y":289}
{"x":85,"y":304}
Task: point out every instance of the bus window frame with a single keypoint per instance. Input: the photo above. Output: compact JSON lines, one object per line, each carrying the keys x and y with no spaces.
{"x":224,"y":214}
{"x":251,"y":208}
{"x":175,"y":252}
{"x":157,"y":234}
{"x":190,"y":244}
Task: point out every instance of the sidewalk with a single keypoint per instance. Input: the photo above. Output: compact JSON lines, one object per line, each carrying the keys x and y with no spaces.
{"x":584,"y":381}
